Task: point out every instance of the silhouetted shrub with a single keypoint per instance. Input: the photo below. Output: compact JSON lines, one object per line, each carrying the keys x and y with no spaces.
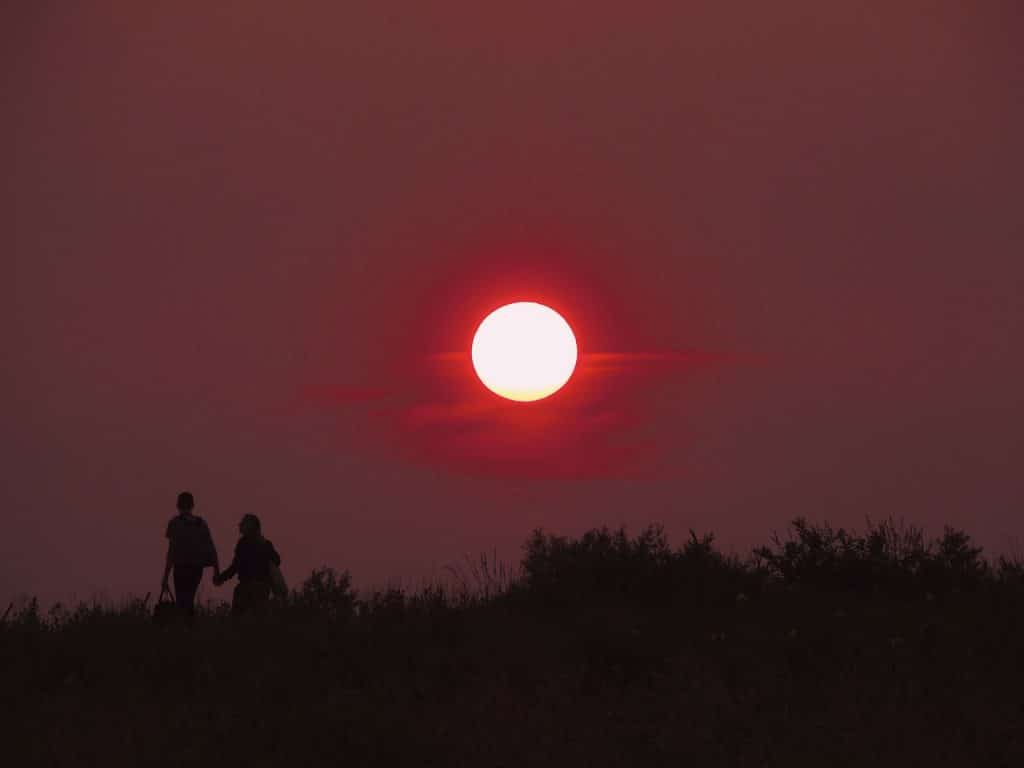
{"x":889,"y":557}
{"x":821,"y":557}
{"x":1009,"y":571}
{"x":327,"y":593}
{"x":954,"y":565}
{"x":600,"y":561}
{"x":605,"y":571}
{"x":711,"y":575}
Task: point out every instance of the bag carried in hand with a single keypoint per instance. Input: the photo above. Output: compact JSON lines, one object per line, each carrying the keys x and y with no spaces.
{"x":166,"y":609}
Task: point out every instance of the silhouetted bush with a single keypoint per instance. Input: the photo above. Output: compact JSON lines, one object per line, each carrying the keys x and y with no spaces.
{"x":888,"y":557}
{"x":954,"y":565}
{"x":1009,"y":571}
{"x":644,"y":572}
{"x":600,"y":560}
{"x":327,"y":593}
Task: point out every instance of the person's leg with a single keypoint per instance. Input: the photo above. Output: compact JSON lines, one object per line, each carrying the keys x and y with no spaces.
{"x":186,"y":582}
{"x":238,"y":601}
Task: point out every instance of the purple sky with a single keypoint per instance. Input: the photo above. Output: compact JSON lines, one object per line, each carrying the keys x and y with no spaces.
{"x":245,"y":249}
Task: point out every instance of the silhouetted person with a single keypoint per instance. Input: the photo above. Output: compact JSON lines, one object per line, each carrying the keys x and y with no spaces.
{"x":253,"y":556}
{"x":190,"y":549}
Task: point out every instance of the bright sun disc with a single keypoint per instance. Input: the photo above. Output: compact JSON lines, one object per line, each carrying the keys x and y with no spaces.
{"x":524,"y":351}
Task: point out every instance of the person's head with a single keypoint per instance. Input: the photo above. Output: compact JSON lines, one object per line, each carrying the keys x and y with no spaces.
{"x":186,"y":502}
{"x":249,"y":526}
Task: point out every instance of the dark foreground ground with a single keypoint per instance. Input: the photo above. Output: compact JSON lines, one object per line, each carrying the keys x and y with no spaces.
{"x":605,"y":652}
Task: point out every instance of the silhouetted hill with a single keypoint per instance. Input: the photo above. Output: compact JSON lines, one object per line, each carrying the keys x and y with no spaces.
{"x":825,"y":649}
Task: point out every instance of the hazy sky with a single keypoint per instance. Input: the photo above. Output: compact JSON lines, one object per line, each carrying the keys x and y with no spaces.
{"x":246,"y":244}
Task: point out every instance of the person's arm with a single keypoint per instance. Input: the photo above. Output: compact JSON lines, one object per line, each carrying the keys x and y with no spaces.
{"x":168,"y":561}
{"x":229,"y":572}
{"x":213,"y":549}
{"x":168,"y":564}
{"x":274,"y":557}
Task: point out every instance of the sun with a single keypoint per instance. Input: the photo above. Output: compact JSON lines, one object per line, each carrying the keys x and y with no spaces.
{"x":524,"y":351}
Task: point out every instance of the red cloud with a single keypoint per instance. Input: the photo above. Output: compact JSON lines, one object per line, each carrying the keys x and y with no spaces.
{"x":598,"y":425}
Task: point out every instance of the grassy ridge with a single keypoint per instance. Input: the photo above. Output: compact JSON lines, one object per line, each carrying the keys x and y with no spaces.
{"x":827,"y":648}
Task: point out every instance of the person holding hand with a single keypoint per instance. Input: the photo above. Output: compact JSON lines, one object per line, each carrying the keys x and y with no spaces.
{"x":190,"y":549}
{"x":255,"y":557}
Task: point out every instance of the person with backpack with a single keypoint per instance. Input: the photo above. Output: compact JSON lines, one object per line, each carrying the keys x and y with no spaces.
{"x":190,"y":549}
{"x":257,"y":564}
